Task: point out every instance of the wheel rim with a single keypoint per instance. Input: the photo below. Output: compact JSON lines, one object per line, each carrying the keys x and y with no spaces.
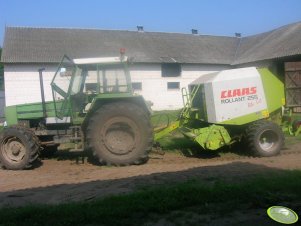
{"x":13,"y":150}
{"x":120,"y":135}
{"x":267,"y":140}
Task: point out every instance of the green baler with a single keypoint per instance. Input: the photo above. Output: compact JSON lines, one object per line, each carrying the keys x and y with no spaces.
{"x":225,"y":107}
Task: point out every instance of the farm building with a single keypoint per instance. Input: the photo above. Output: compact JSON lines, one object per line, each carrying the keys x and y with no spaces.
{"x":163,"y":63}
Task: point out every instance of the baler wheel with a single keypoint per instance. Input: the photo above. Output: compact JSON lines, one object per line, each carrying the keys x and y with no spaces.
{"x":19,"y":148}
{"x":264,"y":138}
{"x":120,"y":134}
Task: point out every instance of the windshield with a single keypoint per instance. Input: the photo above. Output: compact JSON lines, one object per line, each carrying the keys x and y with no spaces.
{"x":107,"y":79}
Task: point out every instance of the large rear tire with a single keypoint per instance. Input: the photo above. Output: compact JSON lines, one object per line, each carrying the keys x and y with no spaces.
{"x":120,"y":134}
{"x":19,"y":148}
{"x":264,"y":138}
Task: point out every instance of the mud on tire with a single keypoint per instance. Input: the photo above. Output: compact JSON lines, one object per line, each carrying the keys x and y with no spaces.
{"x":19,"y":148}
{"x":264,"y":138}
{"x":120,"y":134}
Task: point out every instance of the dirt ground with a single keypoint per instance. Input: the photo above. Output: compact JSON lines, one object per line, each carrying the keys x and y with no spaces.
{"x":57,"y":181}
{"x":63,"y":179}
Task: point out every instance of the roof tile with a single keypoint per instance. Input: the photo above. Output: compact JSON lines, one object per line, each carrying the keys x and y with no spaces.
{"x":48,"y":45}
{"x":26,"y":45}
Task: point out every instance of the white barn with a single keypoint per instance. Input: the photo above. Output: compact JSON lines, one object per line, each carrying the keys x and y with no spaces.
{"x":163,"y":63}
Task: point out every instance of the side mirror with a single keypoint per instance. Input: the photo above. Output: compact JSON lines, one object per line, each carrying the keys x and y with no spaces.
{"x":64,"y":72}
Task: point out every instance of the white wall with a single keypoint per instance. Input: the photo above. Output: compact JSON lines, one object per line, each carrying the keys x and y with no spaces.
{"x":154,"y":86}
{"x":22,"y":83}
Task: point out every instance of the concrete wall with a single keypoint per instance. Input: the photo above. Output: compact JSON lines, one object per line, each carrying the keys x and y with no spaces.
{"x":22,"y":83}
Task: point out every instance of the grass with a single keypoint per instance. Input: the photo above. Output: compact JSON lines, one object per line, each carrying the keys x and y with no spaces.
{"x":290,"y":140}
{"x":151,"y":204}
{"x":161,"y":118}
{"x":174,"y":141}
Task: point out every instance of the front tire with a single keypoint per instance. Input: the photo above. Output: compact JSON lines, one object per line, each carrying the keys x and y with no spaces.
{"x":120,"y":134}
{"x":19,"y":148}
{"x":264,"y":138}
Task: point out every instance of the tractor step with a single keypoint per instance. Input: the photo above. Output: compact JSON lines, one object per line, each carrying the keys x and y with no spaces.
{"x":75,"y":138}
{"x":76,"y":150}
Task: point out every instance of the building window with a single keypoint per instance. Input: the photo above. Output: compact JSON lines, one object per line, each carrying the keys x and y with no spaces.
{"x":91,"y":87}
{"x":170,"y":70}
{"x":173,"y":85}
{"x":137,"y":86}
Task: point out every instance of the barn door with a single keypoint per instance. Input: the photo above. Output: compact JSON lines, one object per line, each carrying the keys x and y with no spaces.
{"x":293,"y":85}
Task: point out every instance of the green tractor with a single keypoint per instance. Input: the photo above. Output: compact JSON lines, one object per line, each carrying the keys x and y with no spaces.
{"x":93,"y":108}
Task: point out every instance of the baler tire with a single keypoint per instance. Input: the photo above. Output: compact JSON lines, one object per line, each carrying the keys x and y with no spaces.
{"x":19,"y":148}
{"x":120,"y":134}
{"x":264,"y":138}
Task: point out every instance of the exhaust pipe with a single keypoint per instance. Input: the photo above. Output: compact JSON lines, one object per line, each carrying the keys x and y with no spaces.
{"x":42,"y":92}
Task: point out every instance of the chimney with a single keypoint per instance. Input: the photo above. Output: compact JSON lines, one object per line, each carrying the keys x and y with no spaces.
{"x":238,"y":35}
{"x":194,"y":31}
{"x":140,"y":28}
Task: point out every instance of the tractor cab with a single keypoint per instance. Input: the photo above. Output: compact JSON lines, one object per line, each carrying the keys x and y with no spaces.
{"x":78,"y":82}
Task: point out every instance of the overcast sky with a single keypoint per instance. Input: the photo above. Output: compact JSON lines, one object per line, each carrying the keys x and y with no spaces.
{"x":215,"y":17}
